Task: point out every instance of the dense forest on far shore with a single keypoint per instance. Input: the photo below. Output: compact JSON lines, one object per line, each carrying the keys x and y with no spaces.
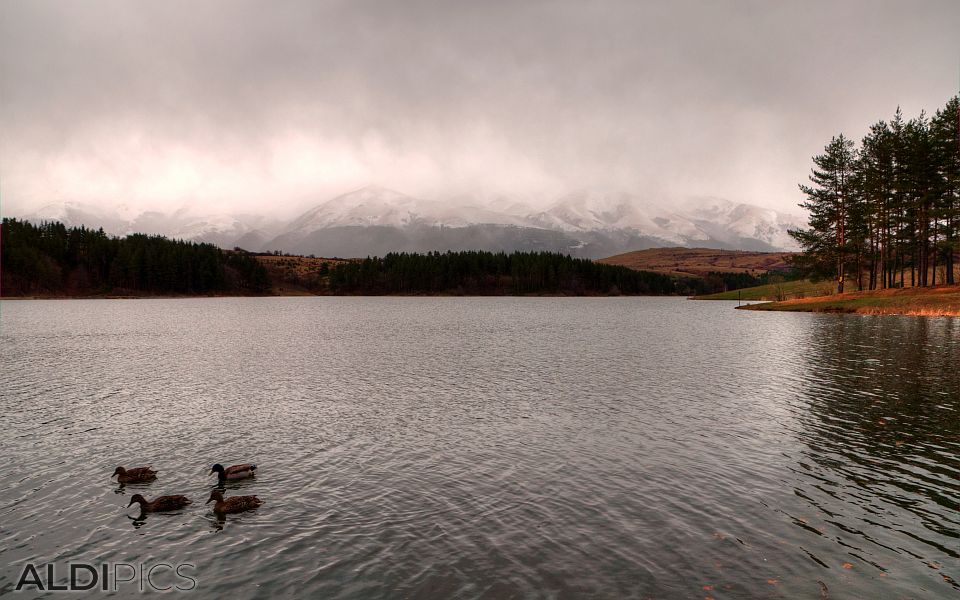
{"x":315,"y":275}
{"x":499,"y":274}
{"x":51,"y":259}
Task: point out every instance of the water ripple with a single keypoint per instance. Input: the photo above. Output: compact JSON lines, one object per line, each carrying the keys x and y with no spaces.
{"x":488,"y":448}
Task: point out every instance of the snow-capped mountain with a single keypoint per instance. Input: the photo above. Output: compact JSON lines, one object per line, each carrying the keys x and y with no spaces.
{"x":376,"y":220}
{"x":369,"y":206}
{"x":587,"y":223}
{"x":186,"y":223}
{"x":604,"y":211}
{"x":701,"y":220}
{"x":719,"y":218}
{"x":376,"y":206}
{"x":113,"y":219}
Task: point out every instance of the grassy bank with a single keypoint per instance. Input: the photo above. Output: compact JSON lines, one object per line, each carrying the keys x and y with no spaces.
{"x":935,"y":301}
{"x":773,"y":291}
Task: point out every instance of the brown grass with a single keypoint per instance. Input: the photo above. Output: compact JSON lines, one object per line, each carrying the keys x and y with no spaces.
{"x":301,"y":266}
{"x":941,"y":300}
{"x":296,"y":275}
{"x":700,"y":261}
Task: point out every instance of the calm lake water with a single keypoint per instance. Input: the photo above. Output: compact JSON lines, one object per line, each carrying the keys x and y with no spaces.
{"x":487,"y":447}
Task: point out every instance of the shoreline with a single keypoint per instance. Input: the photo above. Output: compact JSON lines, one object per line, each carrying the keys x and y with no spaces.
{"x":939,"y":301}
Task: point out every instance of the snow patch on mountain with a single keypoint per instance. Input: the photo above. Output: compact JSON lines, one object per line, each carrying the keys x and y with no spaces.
{"x":366,"y":207}
{"x":743,"y":220}
{"x":112,"y":219}
{"x":697,"y":220}
{"x":587,"y":217}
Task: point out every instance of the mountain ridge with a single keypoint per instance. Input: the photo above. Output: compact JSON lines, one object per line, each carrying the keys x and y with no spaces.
{"x":374,"y":220}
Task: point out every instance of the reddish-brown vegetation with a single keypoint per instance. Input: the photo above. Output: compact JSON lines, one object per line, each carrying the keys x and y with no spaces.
{"x":700,"y":261}
{"x":297,"y":274}
{"x":942,"y":300}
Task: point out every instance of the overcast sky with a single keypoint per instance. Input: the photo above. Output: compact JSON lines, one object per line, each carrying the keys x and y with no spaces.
{"x":270,"y":106}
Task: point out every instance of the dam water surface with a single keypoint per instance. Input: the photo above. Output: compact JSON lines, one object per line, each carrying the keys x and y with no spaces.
{"x":487,"y":447}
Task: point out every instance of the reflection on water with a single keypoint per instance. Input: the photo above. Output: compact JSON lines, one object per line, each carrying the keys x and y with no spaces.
{"x":883,"y":433}
{"x":139,"y":520}
{"x":488,"y":447}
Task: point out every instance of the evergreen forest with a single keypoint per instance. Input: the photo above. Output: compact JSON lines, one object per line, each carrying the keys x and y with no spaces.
{"x":52,"y":259}
{"x":885,"y":213}
{"x":479,"y":272}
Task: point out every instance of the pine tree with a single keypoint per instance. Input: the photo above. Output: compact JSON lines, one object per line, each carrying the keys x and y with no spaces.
{"x":874,"y":168}
{"x":830,"y":199}
{"x":945,"y":139}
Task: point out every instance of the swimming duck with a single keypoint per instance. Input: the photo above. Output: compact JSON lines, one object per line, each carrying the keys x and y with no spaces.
{"x":234,"y":472}
{"x":159,"y":504}
{"x":134,"y":475}
{"x":234,"y":504}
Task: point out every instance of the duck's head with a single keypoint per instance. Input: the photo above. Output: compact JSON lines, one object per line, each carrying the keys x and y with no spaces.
{"x":217,"y":468}
{"x":215,"y":496}
{"x":119,"y":471}
{"x":137,"y":499}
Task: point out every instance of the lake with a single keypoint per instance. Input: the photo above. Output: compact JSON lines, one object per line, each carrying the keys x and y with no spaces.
{"x":487,"y":447}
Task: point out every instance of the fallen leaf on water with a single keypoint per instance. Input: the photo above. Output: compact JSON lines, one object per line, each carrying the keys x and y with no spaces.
{"x":882,"y":574}
{"x":847,"y":566}
{"x":707,"y":588}
{"x":772,"y":581}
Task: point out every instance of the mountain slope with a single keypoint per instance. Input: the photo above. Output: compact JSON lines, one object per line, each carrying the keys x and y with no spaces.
{"x":375,"y":220}
{"x":700,"y":261}
{"x":587,"y":223}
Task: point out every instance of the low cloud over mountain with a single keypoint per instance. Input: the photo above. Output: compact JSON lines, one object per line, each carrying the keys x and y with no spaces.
{"x":375,"y":220}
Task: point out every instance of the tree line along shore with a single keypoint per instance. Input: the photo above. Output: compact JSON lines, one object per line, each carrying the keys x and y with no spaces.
{"x":52,"y":260}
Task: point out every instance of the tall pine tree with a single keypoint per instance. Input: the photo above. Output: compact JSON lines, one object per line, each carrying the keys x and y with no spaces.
{"x":827,"y":244}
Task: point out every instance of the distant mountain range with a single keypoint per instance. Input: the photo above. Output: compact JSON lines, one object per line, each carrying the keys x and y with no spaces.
{"x":375,"y":220}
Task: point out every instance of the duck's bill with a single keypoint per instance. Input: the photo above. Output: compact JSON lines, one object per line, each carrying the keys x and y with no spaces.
{"x":209,"y":501}
{"x":131,"y":504}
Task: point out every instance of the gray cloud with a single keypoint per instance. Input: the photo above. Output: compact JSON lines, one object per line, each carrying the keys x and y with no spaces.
{"x":252,"y":105}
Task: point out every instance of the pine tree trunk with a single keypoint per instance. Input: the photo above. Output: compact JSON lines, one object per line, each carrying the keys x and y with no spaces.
{"x":933,"y":258}
{"x":951,"y":246}
{"x":884,"y":258}
{"x":902,"y":266}
{"x":859,"y":271}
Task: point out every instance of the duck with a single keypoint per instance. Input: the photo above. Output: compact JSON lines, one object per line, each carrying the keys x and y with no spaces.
{"x":134,"y":475}
{"x":160,"y":503}
{"x":233,"y":472}
{"x":233,"y":504}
